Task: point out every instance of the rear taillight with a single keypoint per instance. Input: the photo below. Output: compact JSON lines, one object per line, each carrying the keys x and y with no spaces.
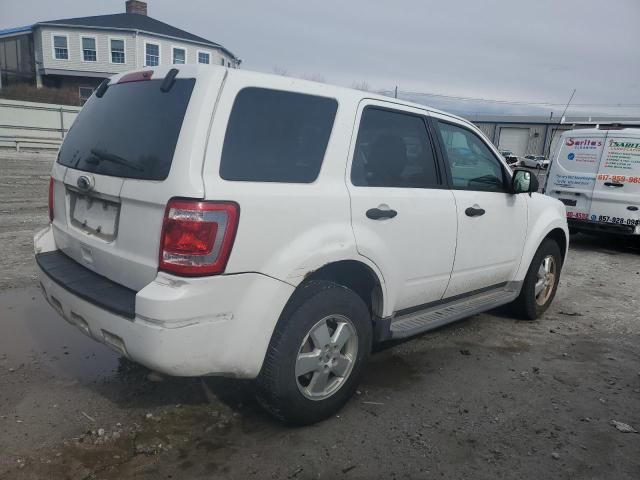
{"x":197,"y":236}
{"x":51,"y":196}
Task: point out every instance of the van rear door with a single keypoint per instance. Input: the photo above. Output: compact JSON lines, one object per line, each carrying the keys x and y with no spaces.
{"x":573,"y":173}
{"x":127,"y":153}
{"x":616,"y":196}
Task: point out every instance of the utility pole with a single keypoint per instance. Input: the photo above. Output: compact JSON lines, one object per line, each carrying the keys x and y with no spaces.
{"x":568,"y":103}
{"x":395,"y":95}
{"x":560,"y":120}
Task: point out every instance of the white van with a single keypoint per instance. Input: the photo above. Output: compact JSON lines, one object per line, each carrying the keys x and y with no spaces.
{"x":596,"y":174}
{"x":212,"y":221}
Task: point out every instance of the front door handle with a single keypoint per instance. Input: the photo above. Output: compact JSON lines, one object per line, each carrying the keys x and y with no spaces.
{"x":612,"y":184}
{"x":378,"y":214}
{"x":474,"y":212}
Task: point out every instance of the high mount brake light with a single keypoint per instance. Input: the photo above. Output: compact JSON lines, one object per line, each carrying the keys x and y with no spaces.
{"x":136,"y":76}
{"x":51,"y":198}
{"x":197,"y":236}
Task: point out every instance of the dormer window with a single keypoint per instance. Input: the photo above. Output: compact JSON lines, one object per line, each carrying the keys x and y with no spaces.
{"x":179,"y":56}
{"x":152,"y":54}
{"x":60,"y":47}
{"x":89,"y":53}
{"x":117,"y":51}
{"x":204,"y":57}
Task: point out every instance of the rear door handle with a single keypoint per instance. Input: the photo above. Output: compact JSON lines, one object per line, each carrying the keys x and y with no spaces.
{"x":474,"y":212}
{"x":611,"y":184}
{"x":377,"y":214}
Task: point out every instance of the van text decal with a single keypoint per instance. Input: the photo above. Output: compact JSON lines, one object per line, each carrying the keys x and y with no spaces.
{"x":614,"y":143}
{"x":583,"y":143}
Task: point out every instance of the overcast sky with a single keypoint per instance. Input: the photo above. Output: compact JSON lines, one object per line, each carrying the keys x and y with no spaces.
{"x":531,"y":50}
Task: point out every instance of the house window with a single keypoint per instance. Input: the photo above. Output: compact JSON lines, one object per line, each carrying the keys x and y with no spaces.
{"x":89,"y":49}
{"x":117,"y":51}
{"x":203,"y":57}
{"x":152,"y":55}
{"x":179,"y":55}
{"x":85,"y":93}
{"x":222,"y":62}
{"x":60,"y":48}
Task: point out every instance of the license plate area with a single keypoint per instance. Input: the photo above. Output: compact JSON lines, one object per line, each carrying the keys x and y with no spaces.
{"x":568,"y":202}
{"x":94,"y":215}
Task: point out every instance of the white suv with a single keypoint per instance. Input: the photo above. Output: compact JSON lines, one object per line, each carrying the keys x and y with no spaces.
{"x":213,"y":221}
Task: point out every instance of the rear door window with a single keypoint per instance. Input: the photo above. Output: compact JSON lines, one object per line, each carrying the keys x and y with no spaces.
{"x":393,"y":150}
{"x":130,"y":132}
{"x":276,"y":136}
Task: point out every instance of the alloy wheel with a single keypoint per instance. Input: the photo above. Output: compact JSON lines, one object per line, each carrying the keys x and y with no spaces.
{"x":326,"y":357}
{"x":546,"y":280}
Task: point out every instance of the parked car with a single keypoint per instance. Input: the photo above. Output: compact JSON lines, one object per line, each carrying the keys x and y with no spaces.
{"x":212,"y":221}
{"x":509,"y":156}
{"x":534,"y":161}
{"x":596,"y":174}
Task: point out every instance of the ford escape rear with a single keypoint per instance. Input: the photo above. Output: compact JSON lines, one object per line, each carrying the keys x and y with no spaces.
{"x":221,"y":222}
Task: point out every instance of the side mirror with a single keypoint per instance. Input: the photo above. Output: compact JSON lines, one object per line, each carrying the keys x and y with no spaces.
{"x":523,"y":181}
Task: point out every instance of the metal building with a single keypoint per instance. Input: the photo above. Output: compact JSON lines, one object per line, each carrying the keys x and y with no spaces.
{"x":536,"y":135}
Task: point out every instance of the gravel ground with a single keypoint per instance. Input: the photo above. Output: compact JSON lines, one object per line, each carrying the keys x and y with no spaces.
{"x":486,"y":398}
{"x":23,"y":210}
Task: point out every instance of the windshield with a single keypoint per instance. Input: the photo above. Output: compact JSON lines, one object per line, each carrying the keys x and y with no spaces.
{"x":130,"y":132}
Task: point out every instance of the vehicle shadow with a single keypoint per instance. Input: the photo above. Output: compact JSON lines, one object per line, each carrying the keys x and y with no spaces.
{"x":606,"y":243}
{"x":135,"y":386}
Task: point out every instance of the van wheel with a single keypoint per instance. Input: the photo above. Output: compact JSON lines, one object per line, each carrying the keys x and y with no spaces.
{"x":316,"y":355}
{"x":540,"y":284}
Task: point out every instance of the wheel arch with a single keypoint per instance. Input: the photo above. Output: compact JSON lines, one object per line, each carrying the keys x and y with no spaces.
{"x":546,"y":220}
{"x":560,"y":237}
{"x":357,"y":276}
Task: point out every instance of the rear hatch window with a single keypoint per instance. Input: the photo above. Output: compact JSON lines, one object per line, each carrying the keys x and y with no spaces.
{"x":131,"y":132}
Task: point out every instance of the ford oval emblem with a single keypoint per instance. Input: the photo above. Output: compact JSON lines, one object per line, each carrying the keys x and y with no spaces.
{"x":85,"y":183}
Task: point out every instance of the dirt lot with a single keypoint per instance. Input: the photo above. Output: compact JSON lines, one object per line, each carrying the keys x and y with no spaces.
{"x":486,"y":398}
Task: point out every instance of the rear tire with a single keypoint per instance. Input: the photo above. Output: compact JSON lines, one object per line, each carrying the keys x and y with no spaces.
{"x":541,"y":282}
{"x":317,"y":354}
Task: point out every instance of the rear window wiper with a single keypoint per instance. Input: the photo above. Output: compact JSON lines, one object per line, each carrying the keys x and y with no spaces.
{"x":112,"y":157}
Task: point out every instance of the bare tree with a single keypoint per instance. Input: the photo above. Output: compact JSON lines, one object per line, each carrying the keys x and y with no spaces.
{"x":314,"y":77}
{"x":363,"y":85}
{"x":280,"y":70}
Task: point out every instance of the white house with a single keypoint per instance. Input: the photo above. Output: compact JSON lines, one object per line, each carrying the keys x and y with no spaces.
{"x":81,"y":52}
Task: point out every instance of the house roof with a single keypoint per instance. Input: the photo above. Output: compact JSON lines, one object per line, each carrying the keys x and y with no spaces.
{"x":15,"y":30}
{"x":132,"y":21}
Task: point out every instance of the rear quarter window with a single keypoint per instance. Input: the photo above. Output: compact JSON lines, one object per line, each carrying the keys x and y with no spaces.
{"x":276,"y":136}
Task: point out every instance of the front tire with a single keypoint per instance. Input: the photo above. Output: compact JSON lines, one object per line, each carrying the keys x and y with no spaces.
{"x":316,"y":355}
{"x":541,"y":282}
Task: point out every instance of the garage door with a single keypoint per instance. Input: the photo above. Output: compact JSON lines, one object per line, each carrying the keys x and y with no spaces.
{"x":514,"y":139}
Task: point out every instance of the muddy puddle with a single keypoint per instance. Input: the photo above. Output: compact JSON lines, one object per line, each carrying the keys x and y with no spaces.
{"x":186,"y":439}
{"x":33,"y":335}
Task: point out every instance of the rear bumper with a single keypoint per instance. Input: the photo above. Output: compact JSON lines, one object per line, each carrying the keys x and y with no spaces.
{"x":601,"y":227}
{"x":217,"y":325}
